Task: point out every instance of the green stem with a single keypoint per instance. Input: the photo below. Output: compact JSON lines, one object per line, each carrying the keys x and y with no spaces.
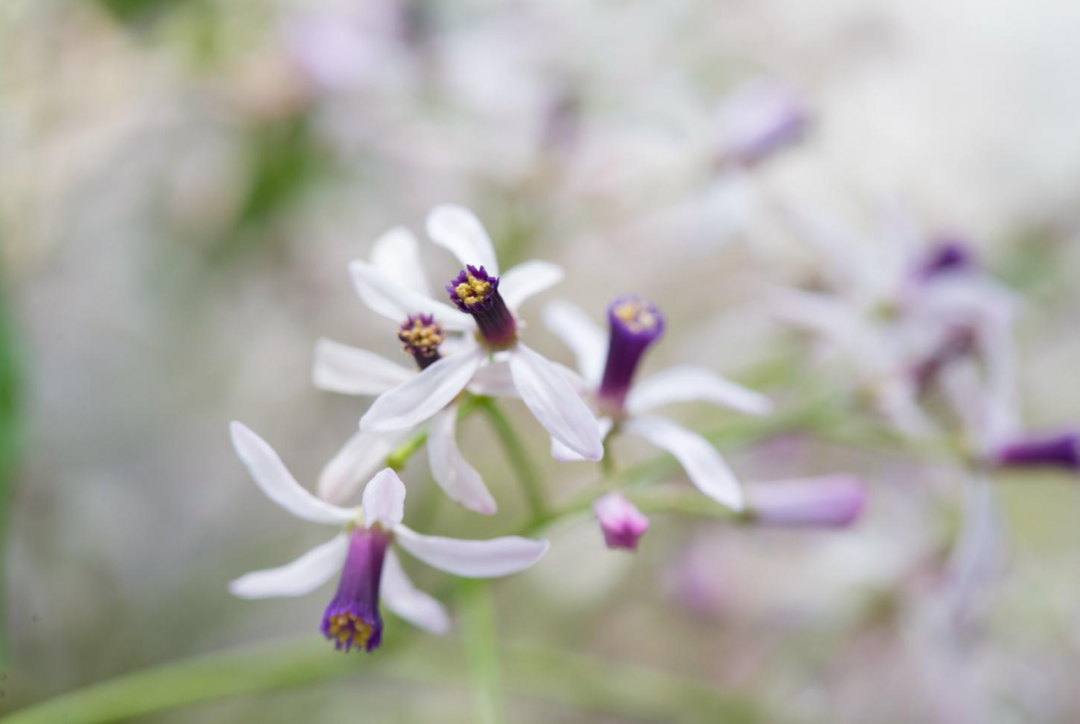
{"x":481,"y":649}
{"x":401,"y":455}
{"x":518,"y":456}
{"x":584,"y":683}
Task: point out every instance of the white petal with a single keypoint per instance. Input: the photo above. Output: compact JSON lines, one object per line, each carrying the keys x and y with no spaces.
{"x":472,"y":558}
{"x":274,"y":479}
{"x":414,"y":401}
{"x":352,"y":371}
{"x":397,"y":255}
{"x":384,"y":500}
{"x":355,"y":463}
{"x":494,"y":380}
{"x":703,"y":464}
{"x":457,"y":229}
{"x":565,"y":455}
{"x":584,"y":338}
{"x":553,"y":401}
{"x":303,"y":575}
{"x":415,"y":606}
{"x":451,"y":471}
{"x":687,"y":383}
{"x":401,"y":301}
{"x":527,"y":279}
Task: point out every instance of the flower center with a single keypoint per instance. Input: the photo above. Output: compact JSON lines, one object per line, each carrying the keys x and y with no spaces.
{"x":472,"y":291}
{"x":635,"y":325}
{"x":476,"y":293}
{"x":420,"y":337}
{"x":349,"y":630}
{"x":637,"y":315}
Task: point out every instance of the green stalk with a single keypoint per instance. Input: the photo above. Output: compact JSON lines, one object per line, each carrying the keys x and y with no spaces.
{"x":523,"y":467}
{"x":481,"y":649}
{"x":576,"y":681}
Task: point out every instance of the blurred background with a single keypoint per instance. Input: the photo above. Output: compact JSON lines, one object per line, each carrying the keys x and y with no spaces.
{"x":183,"y":182}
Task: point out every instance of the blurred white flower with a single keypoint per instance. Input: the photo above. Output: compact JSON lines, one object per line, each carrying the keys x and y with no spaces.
{"x":370,"y":570}
{"x":635,"y":325}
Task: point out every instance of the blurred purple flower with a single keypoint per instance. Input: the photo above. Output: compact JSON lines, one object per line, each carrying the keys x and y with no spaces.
{"x":757,"y":119}
{"x":832,"y":501}
{"x":1060,"y":450}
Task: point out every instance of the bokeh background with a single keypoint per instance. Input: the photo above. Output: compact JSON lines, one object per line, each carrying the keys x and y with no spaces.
{"x":183,"y":182}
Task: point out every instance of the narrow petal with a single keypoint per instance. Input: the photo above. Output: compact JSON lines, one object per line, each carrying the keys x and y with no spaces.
{"x":355,"y":463}
{"x":351,"y":371}
{"x":527,"y":279}
{"x":472,"y":558}
{"x":565,"y":455}
{"x":397,"y":255}
{"x":494,"y":380}
{"x":457,"y":229}
{"x":703,"y":464}
{"x":552,"y":400}
{"x":414,"y":401}
{"x":275,"y":480}
{"x":584,"y":338}
{"x":411,"y":604}
{"x":402,"y":301}
{"x":687,"y":383}
{"x":384,"y":500}
{"x":303,"y":575}
{"x":451,"y":471}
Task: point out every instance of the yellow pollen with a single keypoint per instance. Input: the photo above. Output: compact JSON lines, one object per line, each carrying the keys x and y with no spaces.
{"x":424,"y":338}
{"x":637,"y":315}
{"x":346,"y":626}
{"x":473,"y":291}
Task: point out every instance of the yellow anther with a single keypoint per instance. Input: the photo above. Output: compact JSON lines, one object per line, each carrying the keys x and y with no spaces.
{"x":473,"y":290}
{"x":636,"y":315}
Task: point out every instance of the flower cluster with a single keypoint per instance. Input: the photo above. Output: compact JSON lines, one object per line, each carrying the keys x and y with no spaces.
{"x":473,"y":348}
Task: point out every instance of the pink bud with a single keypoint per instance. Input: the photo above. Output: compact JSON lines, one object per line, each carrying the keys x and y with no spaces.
{"x":621,"y":522}
{"x":832,"y":501}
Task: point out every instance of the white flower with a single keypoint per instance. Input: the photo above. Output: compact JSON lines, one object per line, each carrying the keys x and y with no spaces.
{"x":608,"y":366}
{"x":351,"y":371}
{"x":486,"y":310}
{"x":362,"y":552}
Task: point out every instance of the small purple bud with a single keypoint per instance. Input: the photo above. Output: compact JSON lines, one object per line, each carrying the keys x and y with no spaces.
{"x":476,"y":292}
{"x":352,"y":618}
{"x":420,"y":337}
{"x":1061,"y":450}
{"x":833,"y":501}
{"x":635,"y":325}
{"x":948,"y":255}
{"x":757,"y":119}
{"x":622,"y":523}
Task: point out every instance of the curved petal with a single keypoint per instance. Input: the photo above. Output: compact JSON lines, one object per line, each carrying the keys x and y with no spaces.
{"x":303,"y":575}
{"x":565,"y":455}
{"x":275,"y":480}
{"x":402,"y":301}
{"x":686,"y":383}
{"x":527,"y":279}
{"x":355,"y":463}
{"x":451,"y":471}
{"x":397,"y":255}
{"x":584,"y":338}
{"x":703,"y":464}
{"x":552,"y":400}
{"x":494,"y":380}
{"x":352,"y":371}
{"x":472,"y":558}
{"x":411,"y":604}
{"x":384,"y":500}
{"x":457,"y":229}
{"x":414,"y":401}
